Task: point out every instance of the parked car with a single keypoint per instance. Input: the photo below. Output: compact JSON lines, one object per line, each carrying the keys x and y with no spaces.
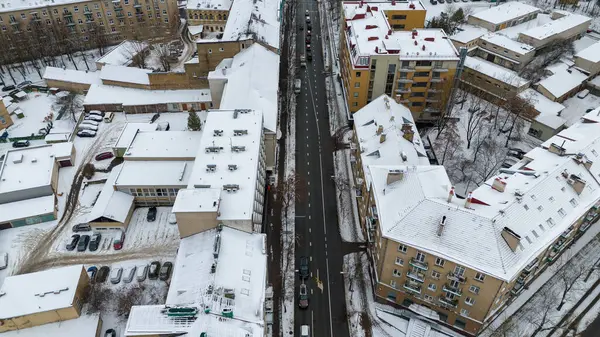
{"x":88,"y":122}
{"x":3,"y":260}
{"x":309,"y":56}
{"x":86,"y":133}
{"x":95,"y":118}
{"x":83,"y":243}
{"x":95,"y":242}
{"x":129,"y":274}
{"x":165,"y":271}
{"x":109,"y":117}
{"x":308,"y":26}
{"x":118,"y":240}
{"x":514,"y":154}
{"x":433,"y":2}
{"x":88,"y":127}
{"x":172,"y":219}
{"x":516,"y":149}
{"x":82,"y":227}
{"x":110,"y":333}
{"x":304,"y":331}
{"x":115,"y":275}
{"x":307,"y":19}
{"x":441,"y":1}
{"x":153,"y":271}
{"x":304,"y":270}
{"x":104,"y":155}
{"x":308,"y":33}
{"x":24,"y":84}
{"x":73,"y":243}
{"x":9,"y":88}
{"x":308,"y":47}
{"x":303,"y":297}
{"x":102,"y":274}
{"x":306,"y":12}
{"x":142,"y":271}
{"x":92,"y":271}
{"x":151,"y":216}
{"x":21,"y":143}
{"x":96,"y":113}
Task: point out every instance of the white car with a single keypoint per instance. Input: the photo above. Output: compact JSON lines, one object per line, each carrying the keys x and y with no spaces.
{"x":88,"y":127}
{"x":89,"y":122}
{"x":115,"y":275}
{"x":142,"y":271}
{"x":3,"y":260}
{"x":95,"y":118}
{"x":96,"y":112}
{"x":172,"y":219}
{"x":129,"y":274}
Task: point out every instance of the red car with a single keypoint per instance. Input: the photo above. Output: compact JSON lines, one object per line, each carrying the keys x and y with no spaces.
{"x":104,"y":155}
{"x":118,"y":240}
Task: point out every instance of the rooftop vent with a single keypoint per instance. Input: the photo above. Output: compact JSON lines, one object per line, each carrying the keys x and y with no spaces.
{"x":394,"y":175}
{"x":211,"y":168}
{"x":217,"y":133}
{"x":236,"y":112}
{"x":379,"y":130}
{"x":18,"y":159}
{"x":576,"y":183}
{"x":240,"y":132}
{"x":214,"y":149}
{"x":441,"y":226}
{"x":382,"y":138}
{"x":408,"y":132}
{"x":512,"y":239}
{"x":232,"y":167}
{"x":559,"y":150}
{"x":499,"y":184}
{"x":468,"y":200}
{"x":231,"y":187}
{"x":238,"y":148}
{"x":451,"y":194}
{"x":217,"y":246}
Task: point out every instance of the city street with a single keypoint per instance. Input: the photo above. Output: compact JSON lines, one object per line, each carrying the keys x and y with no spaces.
{"x":317,"y":231}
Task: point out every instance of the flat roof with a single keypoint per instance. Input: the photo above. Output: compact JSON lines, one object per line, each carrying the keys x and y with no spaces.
{"x":495,"y":71}
{"x":252,"y":83}
{"x":591,"y":53}
{"x":236,"y":204}
{"x":252,"y":20}
{"x":222,"y":5}
{"x":547,"y":108}
{"x":467,"y":33}
{"x":122,"y":54}
{"x":72,"y":76}
{"x":557,"y":26}
{"x":111,"y":204}
{"x":164,"y":145}
{"x":39,"y":292}
{"x":563,"y":81}
{"x":83,"y":326}
{"x":26,"y":168}
{"x":62,"y":150}
{"x":197,"y":200}
{"x":26,"y":208}
{"x":507,"y":43}
{"x":129,"y":132}
{"x":108,"y":94}
{"x":505,"y":12}
{"x":513,"y":32}
{"x":154,"y":173}
{"x":125,"y":74}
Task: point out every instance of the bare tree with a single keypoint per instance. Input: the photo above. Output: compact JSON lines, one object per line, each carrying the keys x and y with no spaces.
{"x":448,"y":142}
{"x":72,"y":104}
{"x":137,"y":53}
{"x":475,"y":116}
{"x":163,"y":53}
{"x":98,"y":37}
{"x":509,"y":328}
{"x":516,"y":107}
{"x":540,"y":314}
{"x":534,"y":70}
{"x":288,"y":192}
{"x":489,"y":158}
{"x":568,"y":276}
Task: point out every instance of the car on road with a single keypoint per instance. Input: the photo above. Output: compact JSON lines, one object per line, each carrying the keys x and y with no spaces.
{"x":514,"y":154}
{"x":303,"y":297}
{"x":118,"y":240}
{"x":115,"y":275}
{"x":102,"y":274}
{"x":88,"y":127}
{"x":110,"y":333}
{"x":104,"y":155}
{"x":307,"y":40}
{"x":83,"y":243}
{"x":95,"y":242}
{"x":165,"y":271}
{"x":82,"y":227}
{"x":308,"y":33}
{"x":172,"y":219}
{"x":304,"y":331}
{"x":86,"y":133}
{"x":3,"y":260}
{"x":24,"y":84}
{"x":9,"y":88}
{"x":94,"y":118}
{"x":142,"y":271}
{"x":308,"y":26}
{"x":306,"y":12}
{"x":73,"y":243}
{"x":309,"y":55}
{"x":153,"y":271}
{"x":308,"y":47}
{"x":92,"y":271}
{"x":516,"y":149}
{"x":304,"y":270}
{"x":21,"y":143}
{"x":151,"y":216}
{"x":307,"y":19}
{"x":129,"y":274}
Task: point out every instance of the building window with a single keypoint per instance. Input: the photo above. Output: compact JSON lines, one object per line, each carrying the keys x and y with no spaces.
{"x":469,"y":301}
{"x":540,"y":208}
{"x":355,"y":94}
{"x":459,"y":270}
{"x":393,"y":283}
{"x":396,"y":27}
{"x":210,"y":51}
{"x":435,"y":274}
{"x":428,"y":298}
{"x":357,"y":84}
{"x":354,"y":104}
{"x":419,"y":85}
{"x":397,"y":273}
{"x":432,"y":287}
{"x":474,"y":289}
{"x":398,"y":17}
{"x":399,"y":261}
{"x":420,"y":257}
{"x":438,"y":64}
{"x":562,"y":212}
{"x":573,"y":202}
{"x":358,"y":74}
{"x":439,"y":262}
{"x":480,"y":277}
{"x":421,"y":74}
{"x":460,"y":324}
{"x":423,"y":63}
{"x":221,"y":49}
{"x":22,"y":16}
{"x":75,"y":9}
{"x":402,"y":248}
{"x":464,"y":312}
{"x":417,"y":103}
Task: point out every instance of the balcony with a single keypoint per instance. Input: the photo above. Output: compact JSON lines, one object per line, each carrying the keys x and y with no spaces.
{"x":87,"y":11}
{"x":402,"y":90}
{"x":374,"y":212}
{"x":419,"y":277}
{"x":456,"y":277}
{"x":559,"y":245}
{"x":67,"y":14}
{"x":120,"y":14}
{"x":440,"y":69}
{"x":406,"y":70}
{"x":584,"y":226}
{"x":36,"y":19}
{"x":137,"y":5}
{"x":528,"y":268}
{"x":448,"y":302}
{"x":453,"y":290}
{"x":435,"y":80}
{"x":405,"y":80}
{"x":70,"y":23}
{"x":418,"y":264}
{"x":568,"y":232}
{"x":14,"y":22}
{"x":516,"y":290}
{"x":412,"y":287}
{"x":431,"y":100}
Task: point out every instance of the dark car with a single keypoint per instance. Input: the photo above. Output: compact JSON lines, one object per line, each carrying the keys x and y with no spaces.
{"x":86,"y":133}
{"x":95,"y":242}
{"x":515,"y":154}
{"x":92,"y":271}
{"x":151,"y":214}
{"x":303,"y":297}
{"x":165,"y":271}
{"x":110,"y":333}
{"x":9,"y":88}
{"x":154,"y":270}
{"x":102,"y":274}
{"x":304,"y":270}
{"x":309,"y":26}
{"x":74,"y":239}
{"x":21,"y":143}
{"x":301,"y":27}
{"x":309,"y":56}
{"x":516,"y":149}
{"x":307,"y":40}
{"x":82,"y":227}
{"x":24,"y":84}
{"x":83,"y":243}
{"x":104,"y":155}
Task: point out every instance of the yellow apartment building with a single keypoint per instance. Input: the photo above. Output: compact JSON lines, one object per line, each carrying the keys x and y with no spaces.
{"x":379,"y":55}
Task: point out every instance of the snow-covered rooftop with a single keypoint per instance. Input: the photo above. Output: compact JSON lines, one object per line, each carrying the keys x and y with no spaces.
{"x":467,"y":33}
{"x":220,"y":147}
{"x":507,"y":43}
{"x":125,"y":74}
{"x":111,"y":204}
{"x":176,"y":145}
{"x":254,"y":19}
{"x":122,"y":54}
{"x":221,"y":5}
{"x":26,"y":168}
{"x":241,"y":269}
{"x":158,"y":173}
{"x":72,"y":76}
{"x":356,"y":9}
{"x":495,"y":71}
{"x":506,"y":12}
{"x":591,"y":53}
{"x":252,"y":83}
{"x":108,"y":94}
{"x":548,"y":109}
{"x":26,"y":208}
{"x":129,"y":132}
{"x":513,"y":32}
{"x":62,"y":150}
{"x":194,"y":30}
{"x":557,"y":26}
{"x":197,"y":200}
{"x":563,"y":81}
{"x":84,"y":326}
{"x":39,"y":292}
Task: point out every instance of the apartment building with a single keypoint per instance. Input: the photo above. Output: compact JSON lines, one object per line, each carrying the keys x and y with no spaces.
{"x":414,"y":67}
{"x":564,"y":26}
{"x":212,"y":15}
{"x":26,"y":28}
{"x":504,"y":51}
{"x":503,"y":16}
{"x":491,"y":81}
{"x":466,"y":258}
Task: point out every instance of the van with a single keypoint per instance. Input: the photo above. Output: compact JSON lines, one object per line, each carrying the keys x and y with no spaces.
{"x":304,"y":331}
{"x":108,"y":117}
{"x":297,"y":85}
{"x":302,"y":61}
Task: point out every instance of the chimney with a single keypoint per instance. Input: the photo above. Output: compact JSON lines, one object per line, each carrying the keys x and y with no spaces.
{"x":512,"y":239}
{"x":382,"y":138}
{"x":408,"y":132}
{"x":379,"y":130}
{"x":393,"y":176}
{"x":577,"y":183}
{"x":559,"y":150}
{"x":451,"y":194}
{"x":468,"y":201}
{"x":441,"y":226}
{"x":588,"y":164}
{"x":499,"y":184}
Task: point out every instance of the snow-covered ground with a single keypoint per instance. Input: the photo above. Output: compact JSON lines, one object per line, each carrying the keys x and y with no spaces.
{"x":468,"y":7}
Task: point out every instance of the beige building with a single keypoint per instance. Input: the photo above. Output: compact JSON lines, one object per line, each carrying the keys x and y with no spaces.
{"x":504,"y":51}
{"x":54,"y":295}
{"x":588,"y":59}
{"x":212,"y":15}
{"x":5,"y":119}
{"x":564,"y":26}
{"x":490,"y":80}
{"x":503,"y":16}
{"x":564,"y":82}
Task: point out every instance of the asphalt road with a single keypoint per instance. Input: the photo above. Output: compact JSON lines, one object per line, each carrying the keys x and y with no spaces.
{"x":317,"y":230}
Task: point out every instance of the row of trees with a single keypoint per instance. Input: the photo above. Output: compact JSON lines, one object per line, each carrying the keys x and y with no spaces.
{"x":450,"y":19}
